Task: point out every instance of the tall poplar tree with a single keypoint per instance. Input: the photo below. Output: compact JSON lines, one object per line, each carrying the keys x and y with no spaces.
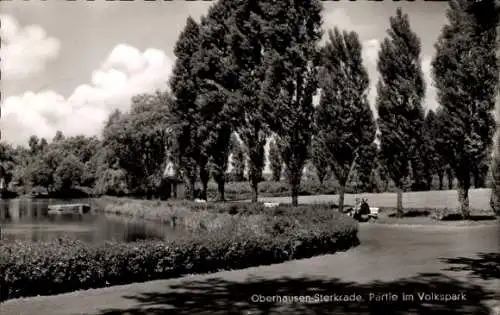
{"x":465,"y":71}
{"x":215,"y":78}
{"x":246,"y":39}
{"x":293,"y":31}
{"x":400,"y":91}
{"x":344,"y":119}
{"x":186,"y":117}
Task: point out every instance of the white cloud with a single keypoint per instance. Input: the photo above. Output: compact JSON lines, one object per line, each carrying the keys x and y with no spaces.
{"x":25,"y":50}
{"x":334,"y":16}
{"x":125,"y":72}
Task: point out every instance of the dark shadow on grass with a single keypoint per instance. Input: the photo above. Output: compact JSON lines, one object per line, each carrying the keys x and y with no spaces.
{"x":410,"y":213}
{"x":216,"y":296}
{"x":486,"y":266}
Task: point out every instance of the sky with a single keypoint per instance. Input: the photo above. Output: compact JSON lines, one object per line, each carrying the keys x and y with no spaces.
{"x":67,"y":65}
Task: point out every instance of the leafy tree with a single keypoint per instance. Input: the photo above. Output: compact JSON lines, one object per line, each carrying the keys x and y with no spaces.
{"x":58,"y":137}
{"x":400,"y":91}
{"x":275,"y":160}
{"x":138,"y":140}
{"x":238,"y":159}
{"x":43,"y":144}
{"x":41,"y":170}
{"x":7,"y":163}
{"x":68,"y":174}
{"x":112,"y":182}
{"x":292,"y":56}
{"x":344,"y":119}
{"x":465,"y":72}
{"x":186,"y":117}
{"x":33,"y":144}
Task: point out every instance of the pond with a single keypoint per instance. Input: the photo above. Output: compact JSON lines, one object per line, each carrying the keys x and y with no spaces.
{"x":28,"y":219}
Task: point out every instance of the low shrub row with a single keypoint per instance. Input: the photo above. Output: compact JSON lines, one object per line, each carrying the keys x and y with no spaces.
{"x":238,"y":241}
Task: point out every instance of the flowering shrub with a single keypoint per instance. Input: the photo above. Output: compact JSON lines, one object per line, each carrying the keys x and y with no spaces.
{"x":231,"y":241}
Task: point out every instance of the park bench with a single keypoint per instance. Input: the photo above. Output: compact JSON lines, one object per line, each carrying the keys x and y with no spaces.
{"x":373,"y":212}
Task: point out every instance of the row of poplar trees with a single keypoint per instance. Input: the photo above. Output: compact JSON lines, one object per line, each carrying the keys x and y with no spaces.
{"x":253,"y":67}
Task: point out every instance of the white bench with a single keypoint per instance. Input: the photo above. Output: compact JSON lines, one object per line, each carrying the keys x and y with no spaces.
{"x":271,"y":204}
{"x":373,"y":212}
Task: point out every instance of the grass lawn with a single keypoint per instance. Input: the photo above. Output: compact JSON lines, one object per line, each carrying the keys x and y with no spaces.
{"x":479,"y":199}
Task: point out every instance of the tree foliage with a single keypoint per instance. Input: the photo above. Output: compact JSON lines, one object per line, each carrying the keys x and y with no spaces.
{"x":319,"y":160}
{"x":275,"y":160}
{"x":365,"y":168}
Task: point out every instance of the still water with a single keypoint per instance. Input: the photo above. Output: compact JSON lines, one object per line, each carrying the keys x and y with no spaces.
{"x":28,"y":219}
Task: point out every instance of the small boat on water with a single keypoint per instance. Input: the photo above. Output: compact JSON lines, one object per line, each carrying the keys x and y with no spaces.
{"x":75,"y":208}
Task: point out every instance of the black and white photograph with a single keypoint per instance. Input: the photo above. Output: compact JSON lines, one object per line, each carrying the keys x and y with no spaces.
{"x":249,"y":157}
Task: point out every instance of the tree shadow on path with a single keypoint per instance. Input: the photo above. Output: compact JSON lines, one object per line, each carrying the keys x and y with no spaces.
{"x":217,"y":296}
{"x":486,"y":266}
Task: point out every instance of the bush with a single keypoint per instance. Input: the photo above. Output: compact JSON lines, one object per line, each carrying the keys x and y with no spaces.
{"x":217,"y":240}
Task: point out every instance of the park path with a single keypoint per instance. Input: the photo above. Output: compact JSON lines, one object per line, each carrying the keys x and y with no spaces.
{"x":479,"y":199}
{"x":430,"y":259}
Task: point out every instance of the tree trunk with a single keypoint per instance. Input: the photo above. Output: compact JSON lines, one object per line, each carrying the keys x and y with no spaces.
{"x":479,"y":181}
{"x":399,"y":202}
{"x":190,"y":188}
{"x":429,"y":183}
{"x":168,"y":188}
{"x":441,"y":177}
{"x":220,"y":187}
{"x":204,"y":178}
{"x":174,"y":189}
{"x":204,"y":190}
{"x":295,"y":195}
{"x":341,"y":197}
{"x":463,"y":198}
{"x":449,"y":175}
{"x":255,"y":190}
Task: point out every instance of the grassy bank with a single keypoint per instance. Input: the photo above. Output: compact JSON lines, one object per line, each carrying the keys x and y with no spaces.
{"x":216,"y":238}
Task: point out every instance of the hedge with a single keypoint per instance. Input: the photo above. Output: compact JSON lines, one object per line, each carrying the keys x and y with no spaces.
{"x":240,"y":241}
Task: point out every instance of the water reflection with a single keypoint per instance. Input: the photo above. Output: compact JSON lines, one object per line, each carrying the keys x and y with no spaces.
{"x":28,"y":219}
